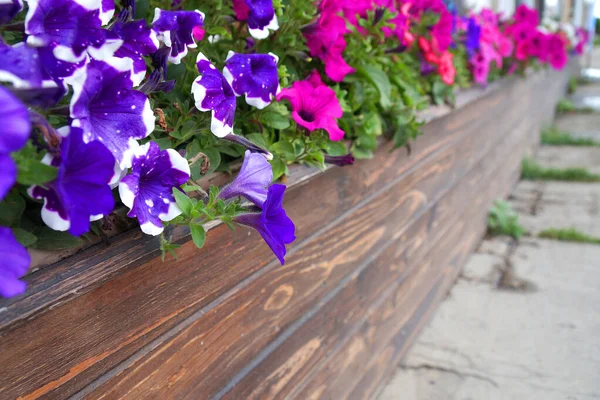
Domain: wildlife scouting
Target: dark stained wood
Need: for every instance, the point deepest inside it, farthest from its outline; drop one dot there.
(281, 295)
(330, 381)
(117, 322)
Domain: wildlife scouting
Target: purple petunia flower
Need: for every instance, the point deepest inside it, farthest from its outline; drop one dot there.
(14, 264)
(176, 30)
(14, 133)
(8, 174)
(273, 224)
(20, 65)
(81, 190)
(213, 93)
(473, 36)
(148, 189)
(253, 75)
(9, 9)
(242, 141)
(138, 41)
(107, 109)
(260, 15)
(71, 28)
(35, 73)
(16, 126)
(252, 181)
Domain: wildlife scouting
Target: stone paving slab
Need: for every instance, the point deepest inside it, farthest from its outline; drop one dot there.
(587, 95)
(545, 205)
(487, 343)
(580, 125)
(569, 156)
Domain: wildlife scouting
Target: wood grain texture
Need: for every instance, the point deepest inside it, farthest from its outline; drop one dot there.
(228, 321)
(280, 296)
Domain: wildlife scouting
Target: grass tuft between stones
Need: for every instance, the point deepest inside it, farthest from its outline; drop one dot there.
(568, 235)
(554, 137)
(532, 171)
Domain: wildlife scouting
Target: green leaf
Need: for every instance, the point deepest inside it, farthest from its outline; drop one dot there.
(213, 192)
(183, 202)
(276, 120)
(335, 148)
(27, 239)
(198, 235)
(49, 239)
(360, 153)
(279, 168)
(285, 150)
(380, 80)
(33, 172)
(11, 209)
(258, 139)
(372, 124)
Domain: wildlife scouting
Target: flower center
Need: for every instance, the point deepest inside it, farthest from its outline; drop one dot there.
(307, 115)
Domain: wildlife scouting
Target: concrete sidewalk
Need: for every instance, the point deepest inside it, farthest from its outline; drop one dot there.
(523, 320)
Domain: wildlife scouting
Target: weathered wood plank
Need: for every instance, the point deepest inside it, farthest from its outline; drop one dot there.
(91, 320)
(330, 381)
(213, 353)
(273, 379)
(83, 272)
(165, 295)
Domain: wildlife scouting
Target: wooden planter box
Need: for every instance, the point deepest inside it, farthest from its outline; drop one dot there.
(379, 244)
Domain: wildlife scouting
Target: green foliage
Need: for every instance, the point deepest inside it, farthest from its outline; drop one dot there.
(532, 171)
(572, 85)
(554, 137)
(503, 220)
(199, 209)
(568, 235)
(566, 106)
(31, 171)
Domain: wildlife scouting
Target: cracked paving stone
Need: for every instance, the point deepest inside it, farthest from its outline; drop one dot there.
(540, 345)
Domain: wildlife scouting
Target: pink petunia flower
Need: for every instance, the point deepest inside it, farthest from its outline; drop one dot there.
(325, 40)
(314, 105)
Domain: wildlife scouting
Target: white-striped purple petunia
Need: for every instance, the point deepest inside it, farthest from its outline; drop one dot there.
(254, 76)
(9, 9)
(138, 41)
(259, 14)
(107, 109)
(81, 191)
(176, 30)
(35, 73)
(213, 93)
(148, 189)
(72, 28)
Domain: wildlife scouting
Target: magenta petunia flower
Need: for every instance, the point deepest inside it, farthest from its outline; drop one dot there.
(314, 105)
(441, 32)
(325, 40)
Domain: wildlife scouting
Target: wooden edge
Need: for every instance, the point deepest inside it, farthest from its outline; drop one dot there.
(148, 246)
